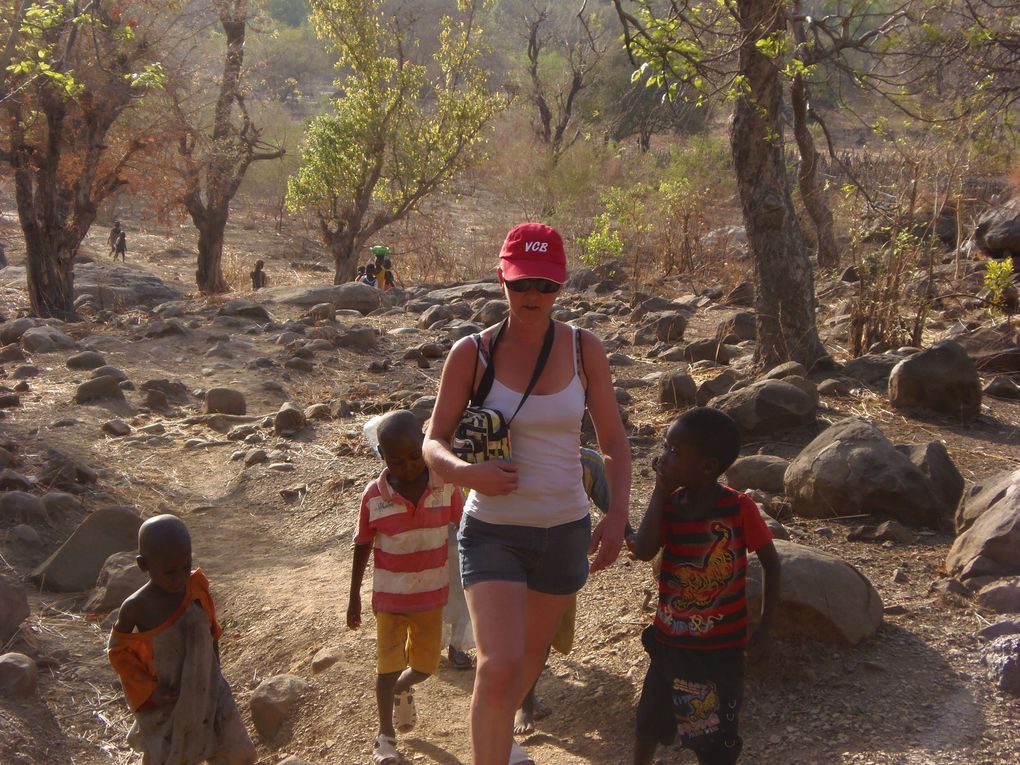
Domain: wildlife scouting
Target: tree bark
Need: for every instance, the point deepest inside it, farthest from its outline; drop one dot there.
(209, 274)
(807, 178)
(783, 278)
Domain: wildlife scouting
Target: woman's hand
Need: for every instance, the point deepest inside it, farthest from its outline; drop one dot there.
(492, 478)
(606, 542)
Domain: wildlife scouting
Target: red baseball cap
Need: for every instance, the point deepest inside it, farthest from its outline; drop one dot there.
(533, 251)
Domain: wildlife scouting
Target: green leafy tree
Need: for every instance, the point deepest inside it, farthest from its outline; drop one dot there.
(69, 71)
(399, 131)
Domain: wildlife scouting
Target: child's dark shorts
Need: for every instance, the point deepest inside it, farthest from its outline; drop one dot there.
(695, 694)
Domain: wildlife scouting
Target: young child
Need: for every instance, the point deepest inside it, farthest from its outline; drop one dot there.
(165, 648)
(112, 238)
(403, 524)
(360, 275)
(369, 277)
(259, 278)
(385, 278)
(695, 680)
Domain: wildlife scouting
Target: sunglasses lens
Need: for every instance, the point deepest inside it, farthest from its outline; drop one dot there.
(544, 286)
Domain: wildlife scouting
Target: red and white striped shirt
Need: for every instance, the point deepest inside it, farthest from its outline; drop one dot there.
(410, 543)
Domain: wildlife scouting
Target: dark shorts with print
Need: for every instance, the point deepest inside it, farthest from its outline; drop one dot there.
(695, 694)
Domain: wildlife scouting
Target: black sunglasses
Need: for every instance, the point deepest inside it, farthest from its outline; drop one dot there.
(544, 286)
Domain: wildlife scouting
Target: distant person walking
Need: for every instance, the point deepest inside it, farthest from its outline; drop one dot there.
(115, 233)
(120, 247)
(3, 256)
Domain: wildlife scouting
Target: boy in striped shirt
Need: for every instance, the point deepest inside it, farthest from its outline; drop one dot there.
(403, 521)
(698, 642)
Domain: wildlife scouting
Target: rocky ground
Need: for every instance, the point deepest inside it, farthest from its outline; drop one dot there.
(271, 501)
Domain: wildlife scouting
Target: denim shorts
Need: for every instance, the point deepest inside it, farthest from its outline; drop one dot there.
(553, 561)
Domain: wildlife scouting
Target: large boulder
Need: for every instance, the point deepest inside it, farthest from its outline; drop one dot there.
(121, 285)
(275, 701)
(872, 369)
(246, 309)
(225, 401)
(717, 386)
(1002, 657)
(13, 609)
(492, 312)
(76, 564)
(934, 461)
(821, 597)
(22, 507)
(758, 471)
(768, 407)
(982, 496)
(11, 331)
(352, 295)
(852, 469)
(941, 379)
(98, 389)
(469, 291)
(994, 349)
(85, 360)
(677, 390)
(119, 577)
(990, 545)
(45, 339)
(998, 229)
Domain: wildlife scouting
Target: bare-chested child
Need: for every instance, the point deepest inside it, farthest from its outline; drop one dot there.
(165, 648)
(404, 517)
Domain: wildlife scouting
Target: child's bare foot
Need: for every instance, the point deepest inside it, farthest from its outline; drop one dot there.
(532, 709)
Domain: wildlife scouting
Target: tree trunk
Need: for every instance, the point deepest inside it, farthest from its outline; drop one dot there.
(209, 275)
(784, 282)
(807, 178)
(345, 256)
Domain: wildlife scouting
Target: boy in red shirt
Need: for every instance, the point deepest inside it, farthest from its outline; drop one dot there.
(697, 644)
(403, 521)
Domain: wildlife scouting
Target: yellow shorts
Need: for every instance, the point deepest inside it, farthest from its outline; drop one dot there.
(409, 640)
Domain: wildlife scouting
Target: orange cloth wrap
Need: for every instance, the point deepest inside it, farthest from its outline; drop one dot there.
(130, 653)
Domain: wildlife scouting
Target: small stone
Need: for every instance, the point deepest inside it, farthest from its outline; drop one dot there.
(256, 457)
(895, 609)
(289, 420)
(26, 534)
(225, 401)
(116, 428)
(24, 372)
(98, 389)
(85, 360)
(9, 400)
(292, 493)
(282, 467)
(18, 675)
(899, 576)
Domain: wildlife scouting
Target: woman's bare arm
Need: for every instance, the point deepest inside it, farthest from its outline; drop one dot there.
(607, 538)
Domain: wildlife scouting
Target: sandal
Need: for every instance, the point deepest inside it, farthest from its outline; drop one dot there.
(384, 751)
(459, 659)
(518, 756)
(405, 715)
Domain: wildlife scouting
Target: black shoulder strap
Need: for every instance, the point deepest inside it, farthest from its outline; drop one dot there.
(490, 370)
(543, 357)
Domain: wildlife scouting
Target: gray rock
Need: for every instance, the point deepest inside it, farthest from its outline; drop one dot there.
(670, 327)
(225, 401)
(821, 597)
(941, 379)
(1004, 627)
(121, 284)
(26, 534)
(742, 294)
(75, 566)
(361, 337)
(851, 468)
(982, 496)
(18, 675)
(60, 504)
(118, 578)
(677, 390)
(1002, 657)
(934, 461)
(98, 389)
(289, 420)
(256, 457)
(22, 507)
(758, 471)
(25, 372)
(12, 479)
(62, 471)
(710, 350)
(45, 339)
(324, 659)
(998, 229)
(167, 328)
(1002, 386)
(299, 364)
(13, 608)
(743, 325)
(107, 371)
(717, 386)
(351, 296)
(174, 390)
(85, 360)
(873, 369)
(493, 312)
(768, 407)
(435, 314)
(116, 428)
(275, 701)
(789, 369)
(835, 386)
(10, 353)
(1002, 596)
(11, 331)
(990, 545)
(469, 291)
(245, 309)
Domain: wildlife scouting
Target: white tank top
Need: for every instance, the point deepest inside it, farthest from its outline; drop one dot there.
(545, 443)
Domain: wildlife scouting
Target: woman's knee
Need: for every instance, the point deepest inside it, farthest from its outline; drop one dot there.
(498, 673)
